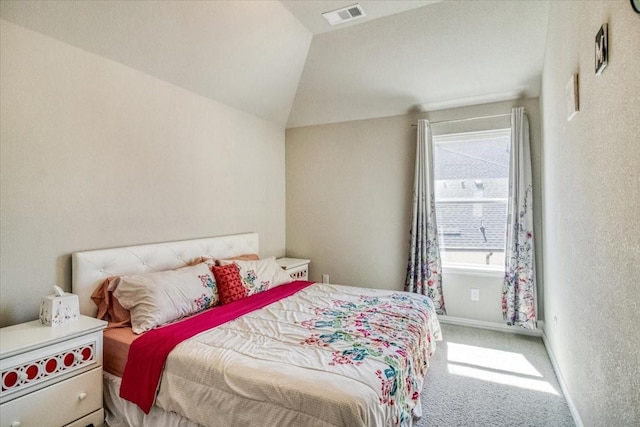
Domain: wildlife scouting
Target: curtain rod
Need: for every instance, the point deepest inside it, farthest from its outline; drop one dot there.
(471, 118)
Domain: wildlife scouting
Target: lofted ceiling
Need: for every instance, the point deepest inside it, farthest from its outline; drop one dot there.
(309, 13)
(443, 55)
(246, 54)
(281, 61)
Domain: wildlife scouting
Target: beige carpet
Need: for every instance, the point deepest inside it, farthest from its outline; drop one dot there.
(486, 378)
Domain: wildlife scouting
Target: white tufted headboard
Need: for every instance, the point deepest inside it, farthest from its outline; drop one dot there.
(91, 268)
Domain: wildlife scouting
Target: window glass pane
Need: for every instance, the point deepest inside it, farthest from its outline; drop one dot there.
(472, 177)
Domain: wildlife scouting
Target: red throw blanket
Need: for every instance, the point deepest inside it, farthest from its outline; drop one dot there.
(148, 353)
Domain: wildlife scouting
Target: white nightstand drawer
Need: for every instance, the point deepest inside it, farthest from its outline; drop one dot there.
(297, 268)
(27, 372)
(299, 273)
(96, 419)
(58, 404)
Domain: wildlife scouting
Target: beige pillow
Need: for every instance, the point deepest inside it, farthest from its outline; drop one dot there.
(244, 257)
(260, 275)
(110, 309)
(155, 299)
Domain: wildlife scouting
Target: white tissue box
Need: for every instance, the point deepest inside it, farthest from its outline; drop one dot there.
(57, 310)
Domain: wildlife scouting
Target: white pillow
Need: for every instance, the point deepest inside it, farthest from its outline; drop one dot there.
(260, 275)
(162, 297)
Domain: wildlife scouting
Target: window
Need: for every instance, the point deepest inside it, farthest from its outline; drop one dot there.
(471, 188)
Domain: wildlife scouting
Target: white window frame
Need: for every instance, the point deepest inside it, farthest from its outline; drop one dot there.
(462, 268)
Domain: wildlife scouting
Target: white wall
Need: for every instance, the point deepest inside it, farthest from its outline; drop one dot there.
(591, 211)
(95, 154)
(457, 287)
(348, 200)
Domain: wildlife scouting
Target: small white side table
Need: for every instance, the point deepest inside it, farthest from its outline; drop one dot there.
(52, 375)
(297, 268)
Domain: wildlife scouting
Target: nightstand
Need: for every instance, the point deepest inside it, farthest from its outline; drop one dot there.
(297, 268)
(52, 375)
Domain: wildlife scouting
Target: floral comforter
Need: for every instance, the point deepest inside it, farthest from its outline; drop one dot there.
(328, 355)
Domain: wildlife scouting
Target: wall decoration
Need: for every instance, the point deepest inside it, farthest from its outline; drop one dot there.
(635, 4)
(571, 92)
(602, 49)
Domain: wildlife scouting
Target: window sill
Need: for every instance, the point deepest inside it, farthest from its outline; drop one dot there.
(473, 270)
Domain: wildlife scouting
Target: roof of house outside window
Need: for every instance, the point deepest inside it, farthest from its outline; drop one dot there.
(485, 158)
(459, 225)
(466, 171)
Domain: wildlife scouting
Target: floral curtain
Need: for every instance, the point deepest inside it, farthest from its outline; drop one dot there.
(519, 289)
(424, 267)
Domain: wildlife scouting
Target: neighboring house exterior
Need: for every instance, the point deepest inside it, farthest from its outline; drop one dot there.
(472, 178)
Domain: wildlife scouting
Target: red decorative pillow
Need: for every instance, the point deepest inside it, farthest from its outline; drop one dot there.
(230, 287)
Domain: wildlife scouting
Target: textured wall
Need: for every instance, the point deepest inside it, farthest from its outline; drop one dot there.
(348, 195)
(95, 154)
(457, 292)
(591, 210)
(349, 192)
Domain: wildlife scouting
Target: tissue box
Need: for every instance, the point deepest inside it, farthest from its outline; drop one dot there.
(57, 310)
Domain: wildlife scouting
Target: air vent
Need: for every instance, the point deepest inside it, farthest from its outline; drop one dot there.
(343, 15)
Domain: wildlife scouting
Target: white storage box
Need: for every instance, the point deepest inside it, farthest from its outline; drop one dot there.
(59, 309)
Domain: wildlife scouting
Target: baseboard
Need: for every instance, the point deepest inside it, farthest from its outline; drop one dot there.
(563, 385)
(493, 326)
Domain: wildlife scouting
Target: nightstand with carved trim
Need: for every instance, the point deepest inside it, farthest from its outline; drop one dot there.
(297, 268)
(52, 375)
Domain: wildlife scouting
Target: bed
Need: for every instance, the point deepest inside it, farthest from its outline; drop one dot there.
(299, 353)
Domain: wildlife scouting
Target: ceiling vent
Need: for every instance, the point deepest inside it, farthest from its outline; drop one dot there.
(343, 15)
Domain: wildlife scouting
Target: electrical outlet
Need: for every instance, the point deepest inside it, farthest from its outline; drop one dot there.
(475, 294)
(325, 278)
